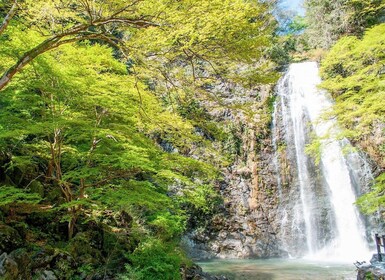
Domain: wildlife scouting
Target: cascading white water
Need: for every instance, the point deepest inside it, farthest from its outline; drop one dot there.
(322, 221)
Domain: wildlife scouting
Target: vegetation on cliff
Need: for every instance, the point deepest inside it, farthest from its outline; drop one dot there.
(329, 20)
(354, 74)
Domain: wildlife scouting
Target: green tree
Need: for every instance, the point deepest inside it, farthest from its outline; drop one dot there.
(214, 30)
(353, 72)
(63, 22)
(329, 20)
(83, 124)
(113, 120)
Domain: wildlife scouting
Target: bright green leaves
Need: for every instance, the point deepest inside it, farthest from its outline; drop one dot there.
(12, 195)
(149, 204)
(100, 135)
(352, 74)
(78, 121)
(375, 200)
(215, 32)
(152, 259)
(54, 16)
(215, 29)
(367, 12)
(200, 39)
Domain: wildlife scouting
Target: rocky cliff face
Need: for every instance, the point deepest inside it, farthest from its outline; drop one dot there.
(246, 223)
(256, 188)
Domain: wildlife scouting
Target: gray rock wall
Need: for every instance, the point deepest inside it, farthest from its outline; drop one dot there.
(246, 224)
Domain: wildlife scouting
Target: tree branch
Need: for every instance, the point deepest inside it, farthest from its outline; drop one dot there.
(8, 17)
(78, 33)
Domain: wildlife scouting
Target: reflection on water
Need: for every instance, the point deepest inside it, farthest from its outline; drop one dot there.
(281, 269)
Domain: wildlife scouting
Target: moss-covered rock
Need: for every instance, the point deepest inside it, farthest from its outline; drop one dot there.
(9, 239)
(43, 257)
(23, 260)
(80, 248)
(37, 187)
(45, 275)
(8, 267)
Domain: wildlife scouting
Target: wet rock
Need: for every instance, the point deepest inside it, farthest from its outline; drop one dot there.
(375, 270)
(246, 224)
(195, 273)
(375, 259)
(371, 272)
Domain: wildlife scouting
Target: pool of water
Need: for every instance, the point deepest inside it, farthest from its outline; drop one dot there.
(282, 269)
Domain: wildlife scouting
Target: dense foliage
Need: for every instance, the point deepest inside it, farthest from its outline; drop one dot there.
(106, 148)
(353, 73)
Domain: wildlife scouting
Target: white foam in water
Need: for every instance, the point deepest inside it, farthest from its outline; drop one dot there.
(305, 99)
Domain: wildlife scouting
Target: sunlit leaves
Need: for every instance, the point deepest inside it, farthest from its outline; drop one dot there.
(12, 195)
(352, 74)
(375, 200)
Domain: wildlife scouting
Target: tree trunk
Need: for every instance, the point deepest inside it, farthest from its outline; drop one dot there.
(71, 223)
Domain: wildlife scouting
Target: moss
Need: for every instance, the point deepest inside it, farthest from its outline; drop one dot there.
(37, 187)
(9, 239)
(81, 249)
(368, 276)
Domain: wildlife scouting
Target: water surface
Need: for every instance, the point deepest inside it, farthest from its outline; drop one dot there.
(282, 269)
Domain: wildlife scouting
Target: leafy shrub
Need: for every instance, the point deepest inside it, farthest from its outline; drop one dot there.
(153, 260)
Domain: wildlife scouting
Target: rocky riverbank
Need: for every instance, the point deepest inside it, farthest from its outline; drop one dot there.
(195, 272)
(373, 271)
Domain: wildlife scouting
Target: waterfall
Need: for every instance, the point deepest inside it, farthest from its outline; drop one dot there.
(318, 215)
